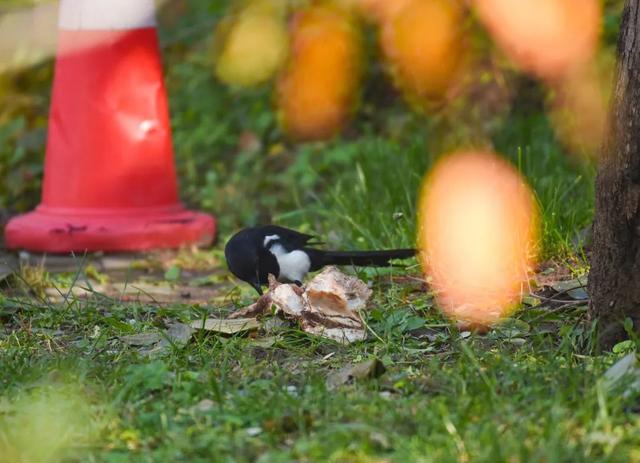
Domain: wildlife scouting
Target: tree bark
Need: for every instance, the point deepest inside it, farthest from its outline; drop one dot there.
(614, 281)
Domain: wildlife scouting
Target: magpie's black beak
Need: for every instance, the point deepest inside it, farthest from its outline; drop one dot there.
(257, 287)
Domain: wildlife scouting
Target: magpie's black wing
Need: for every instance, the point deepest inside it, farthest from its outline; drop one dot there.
(292, 237)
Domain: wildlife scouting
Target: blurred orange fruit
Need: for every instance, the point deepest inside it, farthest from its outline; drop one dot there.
(547, 38)
(578, 106)
(317, 91)
(422, 42)
(379, 10)
(478, 224)
(252, 44)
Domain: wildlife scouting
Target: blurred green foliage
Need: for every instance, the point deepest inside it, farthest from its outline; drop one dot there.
(234, 162)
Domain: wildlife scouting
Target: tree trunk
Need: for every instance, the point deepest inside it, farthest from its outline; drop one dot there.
(614, 282)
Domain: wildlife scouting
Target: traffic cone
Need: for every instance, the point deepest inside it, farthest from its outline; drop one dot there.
(109, 178)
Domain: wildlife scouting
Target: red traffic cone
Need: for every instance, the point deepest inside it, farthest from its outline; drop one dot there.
(109, 179)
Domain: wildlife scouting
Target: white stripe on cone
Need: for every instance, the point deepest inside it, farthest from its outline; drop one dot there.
(106, 14)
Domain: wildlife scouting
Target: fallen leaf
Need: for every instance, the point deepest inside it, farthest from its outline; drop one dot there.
(5, 271)
(531, 301)
(253, 431)
(625, 371)
(381, 440)
(111, 263)
(512, 328)
(466, 328)
(225, 325)
(8, 265)
(272, 325)
(259, 307)
(341, 335)
(141, 339)
(567, 285)
(364, 370)
(179, 334)
(622, 367)
(204, 405)
(579, 294)
(427, 334)
(264, 342)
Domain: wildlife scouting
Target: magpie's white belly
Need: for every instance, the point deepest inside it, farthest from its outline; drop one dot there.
(293, 265)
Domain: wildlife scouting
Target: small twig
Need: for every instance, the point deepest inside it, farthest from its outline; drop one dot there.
(368, 327)
(412, 278)
(565, 291)
(556, 310)
(561, 301)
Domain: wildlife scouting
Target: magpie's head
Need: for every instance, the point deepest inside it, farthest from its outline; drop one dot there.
(242, 257)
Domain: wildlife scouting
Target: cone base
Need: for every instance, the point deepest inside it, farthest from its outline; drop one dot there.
(78, 231)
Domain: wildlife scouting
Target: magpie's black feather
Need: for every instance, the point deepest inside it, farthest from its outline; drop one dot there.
(254, 253)
(287, 235)
(357, 258)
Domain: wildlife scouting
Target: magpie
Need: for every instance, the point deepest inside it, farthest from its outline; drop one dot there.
(254, 253)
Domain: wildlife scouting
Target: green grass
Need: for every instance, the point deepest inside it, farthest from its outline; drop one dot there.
(372, 201)
(353, 186)
(530, 390)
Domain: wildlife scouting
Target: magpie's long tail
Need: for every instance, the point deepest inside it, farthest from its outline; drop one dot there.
(321, 258)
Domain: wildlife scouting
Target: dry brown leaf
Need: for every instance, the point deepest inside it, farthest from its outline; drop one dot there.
(141, 339)
(176, 335)
(226, 326)
(251, 311)
(369, 369)
(179, 333)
